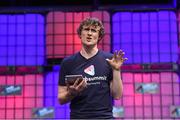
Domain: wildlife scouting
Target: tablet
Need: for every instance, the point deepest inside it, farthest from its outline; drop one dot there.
(70, 79)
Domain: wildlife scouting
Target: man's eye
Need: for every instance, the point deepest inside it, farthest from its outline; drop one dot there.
(86, 29)
(93, 30)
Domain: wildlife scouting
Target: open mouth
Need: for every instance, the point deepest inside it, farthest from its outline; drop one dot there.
(88, 39)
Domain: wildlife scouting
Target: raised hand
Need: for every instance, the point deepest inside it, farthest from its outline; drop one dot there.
(117, 60)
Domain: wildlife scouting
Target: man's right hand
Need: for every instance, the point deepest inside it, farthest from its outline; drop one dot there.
(77, 87)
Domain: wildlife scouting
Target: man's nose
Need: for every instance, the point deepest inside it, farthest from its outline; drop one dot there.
(90, 31)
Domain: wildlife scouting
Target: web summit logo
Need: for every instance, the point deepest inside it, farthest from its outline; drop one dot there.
(43, 112)
(175, 111)
(10, 90)
(146, 88)
(90, 70)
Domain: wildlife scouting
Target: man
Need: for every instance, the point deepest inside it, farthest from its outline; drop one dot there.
(91, 97)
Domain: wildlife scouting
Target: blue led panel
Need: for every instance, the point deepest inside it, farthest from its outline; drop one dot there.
(51, 92)
(146, 37)
(22, 39)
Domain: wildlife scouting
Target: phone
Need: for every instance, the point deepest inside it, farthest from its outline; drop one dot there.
(70, 79)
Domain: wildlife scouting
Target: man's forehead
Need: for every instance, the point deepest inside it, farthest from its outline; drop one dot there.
(91, 26)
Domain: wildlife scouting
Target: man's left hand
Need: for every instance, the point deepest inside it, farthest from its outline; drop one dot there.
(117, 60)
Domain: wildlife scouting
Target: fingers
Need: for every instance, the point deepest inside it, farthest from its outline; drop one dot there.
(109, 61)
(120, 55)
(124, 59)
(120, 52)
(76, 82)
(82, 85)
(115, 55)
(78, 86)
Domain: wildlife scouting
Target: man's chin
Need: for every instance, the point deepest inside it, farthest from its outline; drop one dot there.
(90, 45)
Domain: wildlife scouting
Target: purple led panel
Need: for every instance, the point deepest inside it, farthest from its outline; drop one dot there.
(149, 106)
(51, 92)
(22, 39)
(178, 14)
(62, 39)
(146, 37)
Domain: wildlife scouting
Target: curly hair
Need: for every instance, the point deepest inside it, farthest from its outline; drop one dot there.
(94, 22)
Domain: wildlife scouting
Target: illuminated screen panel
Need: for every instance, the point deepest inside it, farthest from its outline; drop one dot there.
(134, 103)
(149, 37)
(22, 39)
(42, 3)
(20, 106)
(62, 39)
(51, 92)
(149, 106)
(134, 2)
(178, 14)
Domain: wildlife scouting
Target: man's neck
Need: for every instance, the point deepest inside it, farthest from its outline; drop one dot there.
(88, 53)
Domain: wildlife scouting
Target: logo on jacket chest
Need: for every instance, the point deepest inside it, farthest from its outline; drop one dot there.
(90, 70)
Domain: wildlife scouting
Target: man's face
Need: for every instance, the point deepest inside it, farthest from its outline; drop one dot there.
(90, 35)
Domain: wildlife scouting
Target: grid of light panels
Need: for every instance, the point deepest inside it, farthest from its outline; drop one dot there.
(22, 40)
(22, 44)
(178, 19)
(25, 33)
(61, 32)
(20, 106)
(149, 106)
(146, 37)
(51, 91)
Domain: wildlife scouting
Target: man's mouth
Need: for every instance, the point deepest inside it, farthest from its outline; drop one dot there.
(88, 39)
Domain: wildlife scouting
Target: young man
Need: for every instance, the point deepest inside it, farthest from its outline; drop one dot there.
(91, 97)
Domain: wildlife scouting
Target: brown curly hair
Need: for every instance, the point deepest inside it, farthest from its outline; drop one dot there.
(94, 22)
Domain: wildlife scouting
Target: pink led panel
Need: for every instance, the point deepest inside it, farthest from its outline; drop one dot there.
(20, 106)
(61, 36)
(149, 106)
